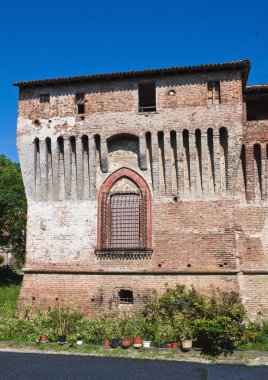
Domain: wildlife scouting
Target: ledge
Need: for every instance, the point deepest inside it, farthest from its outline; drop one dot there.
(137, 272)
(139, 253)
(255, 271)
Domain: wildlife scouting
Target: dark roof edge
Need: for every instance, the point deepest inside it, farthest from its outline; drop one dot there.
(257, 88)
(243, 65)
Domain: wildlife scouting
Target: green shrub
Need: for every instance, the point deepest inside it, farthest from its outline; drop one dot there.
(218, 334)
(1, 259)
(175, 304)
(215, 323)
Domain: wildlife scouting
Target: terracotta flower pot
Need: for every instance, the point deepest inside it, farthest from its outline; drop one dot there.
(43, 339)
(125, 342)
(106, 342)
(175, 345)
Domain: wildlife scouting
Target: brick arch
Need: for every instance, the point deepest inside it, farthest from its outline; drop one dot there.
(120, 132)
(145, 192)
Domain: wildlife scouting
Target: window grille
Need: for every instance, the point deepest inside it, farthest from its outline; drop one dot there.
(123, 221)
(125, 296)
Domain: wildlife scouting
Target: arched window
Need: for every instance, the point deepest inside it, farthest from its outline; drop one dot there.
(124, 216)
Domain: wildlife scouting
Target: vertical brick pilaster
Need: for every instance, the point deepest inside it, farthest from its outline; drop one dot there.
(55, 169)
(204, 165)
(155, 163)
(92, 168)
(43, 170)
(104, 155)
(79, 168)
(67, 169)
(180, 163)
(216, 159)
(263, 172)
(192, 174)
(142, 153)
(250, 193)
(168, 173)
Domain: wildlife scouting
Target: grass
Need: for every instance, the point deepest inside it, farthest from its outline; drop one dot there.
(254, 346)
(10, 284)
(9, 296)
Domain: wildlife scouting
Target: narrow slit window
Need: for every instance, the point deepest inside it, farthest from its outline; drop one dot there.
(80, 103)
(125, 296)
(80, 108)
(214, 92)
(147, 98)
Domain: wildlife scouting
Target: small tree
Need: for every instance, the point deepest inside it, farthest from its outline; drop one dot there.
(12, 209)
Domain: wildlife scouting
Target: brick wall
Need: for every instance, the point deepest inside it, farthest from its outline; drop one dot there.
(98, 293)
(209, 200)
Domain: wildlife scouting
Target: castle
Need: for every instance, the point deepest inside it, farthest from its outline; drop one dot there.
(144, 179)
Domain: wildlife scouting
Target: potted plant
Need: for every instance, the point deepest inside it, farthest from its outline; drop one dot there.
(148, 333)
(115, 334)
(43, 339)
(163, 334)
(106, 342)
(98, 331)
(137, 342)
(115, 342)
(136, 332)
(126, 332)
(62, 325)
(187, 336)
(79, 341)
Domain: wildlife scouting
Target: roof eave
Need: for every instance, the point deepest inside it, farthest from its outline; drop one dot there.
(243, 65)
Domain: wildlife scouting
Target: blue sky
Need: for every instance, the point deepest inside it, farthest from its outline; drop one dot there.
(65, 38)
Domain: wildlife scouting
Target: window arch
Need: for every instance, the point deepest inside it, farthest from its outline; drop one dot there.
(124, 215)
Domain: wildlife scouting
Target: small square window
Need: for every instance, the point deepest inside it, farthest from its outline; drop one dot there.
(147, 98)
(125, 296)
(44, 98)
(214, 92)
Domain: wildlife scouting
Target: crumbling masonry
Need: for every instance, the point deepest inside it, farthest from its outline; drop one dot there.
(143, 179)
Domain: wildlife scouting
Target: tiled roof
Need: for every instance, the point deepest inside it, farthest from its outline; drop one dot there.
(242, 65)
(257, 88)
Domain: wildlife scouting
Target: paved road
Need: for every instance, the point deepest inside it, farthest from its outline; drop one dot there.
(23, 366)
